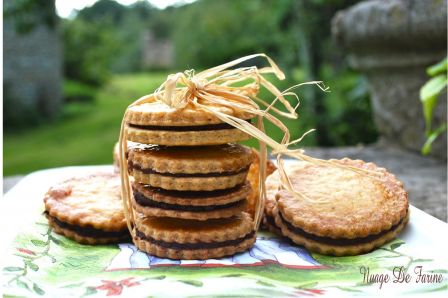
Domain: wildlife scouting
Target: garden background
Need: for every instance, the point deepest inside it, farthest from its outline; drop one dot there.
(110, 54)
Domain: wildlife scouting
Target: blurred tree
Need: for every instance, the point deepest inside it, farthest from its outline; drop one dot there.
(313, 27)
(88, 50)
(27, 14)
(104, 39)
(162, 22)
(211, 32)
(293, 32)
(103, 10)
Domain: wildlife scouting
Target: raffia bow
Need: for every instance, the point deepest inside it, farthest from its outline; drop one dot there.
(236, 89)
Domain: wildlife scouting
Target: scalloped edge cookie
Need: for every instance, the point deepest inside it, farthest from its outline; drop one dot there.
(234, 210)
(200, 240)
(84, 239)
(160, 114)
(190, 231)
(196, 254)
(191, 160)
(92, 200)
(199, 198)
(381, 202)
(189, 183)
(185, 138)
(340, 250)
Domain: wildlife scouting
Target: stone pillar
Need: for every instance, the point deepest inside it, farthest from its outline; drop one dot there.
(392, 43)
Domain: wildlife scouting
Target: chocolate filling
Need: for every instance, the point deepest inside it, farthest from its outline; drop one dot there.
(193, 194)
(193, 246)
(88, 231)
(271, 220)
(332, 241)
(180, 175)
(218, 126)
(147, 202)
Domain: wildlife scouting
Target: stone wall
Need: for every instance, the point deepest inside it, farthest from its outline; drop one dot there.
(32, 69)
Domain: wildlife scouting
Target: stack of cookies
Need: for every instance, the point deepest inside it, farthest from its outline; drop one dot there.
(189, 186)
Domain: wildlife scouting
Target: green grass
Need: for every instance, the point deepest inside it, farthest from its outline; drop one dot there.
(76, 91)
(84, 135)
(86, 131)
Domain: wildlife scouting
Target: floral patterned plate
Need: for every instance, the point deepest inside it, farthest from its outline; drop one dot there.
(38, 262)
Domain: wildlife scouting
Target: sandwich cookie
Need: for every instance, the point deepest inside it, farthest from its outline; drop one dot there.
(190, 239)
(273, 185)
(116, 154)
(88, 209)
(253, 176)
(200, 205)
(157, 123)
(204, 168)
(340, 212)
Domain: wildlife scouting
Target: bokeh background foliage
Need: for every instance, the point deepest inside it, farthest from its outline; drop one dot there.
(103, 71)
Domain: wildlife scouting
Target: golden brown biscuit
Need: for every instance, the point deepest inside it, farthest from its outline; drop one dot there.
(341, 209)
(194, 198)
(116, 158)
(186, 138)
(190, 212)
(272, 187)
(86, 235)
(88, 209)
(339, 247)
(191, 239)
(116, 154)
(254, 179)
(160, 114)
(203, 168)
(200, 205)
(157, 123)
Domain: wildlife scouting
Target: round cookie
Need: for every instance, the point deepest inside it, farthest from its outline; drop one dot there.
(116, 157)
(88, 209)
(272, 187)
(116, 154)
(253, 176)
(340, 246)
(157, 123)
(200, 205)
(204, 168)
(190, 239)
(341, 212)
